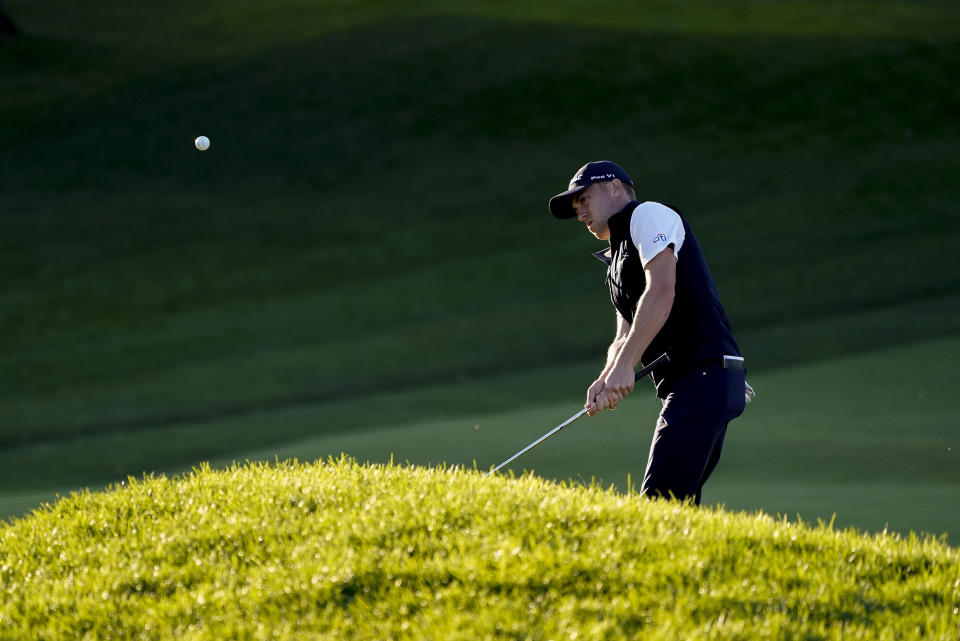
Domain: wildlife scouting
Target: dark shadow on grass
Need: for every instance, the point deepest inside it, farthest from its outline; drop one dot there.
(420, 105)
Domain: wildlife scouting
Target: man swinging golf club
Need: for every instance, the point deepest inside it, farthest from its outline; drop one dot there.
(666, 302)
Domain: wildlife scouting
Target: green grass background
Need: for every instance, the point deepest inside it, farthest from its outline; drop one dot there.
(363, 260)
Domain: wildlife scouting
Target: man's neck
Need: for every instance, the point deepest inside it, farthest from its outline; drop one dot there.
(619, 219)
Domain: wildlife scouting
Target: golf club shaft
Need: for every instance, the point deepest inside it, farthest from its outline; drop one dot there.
(539, 440)
(643, 372)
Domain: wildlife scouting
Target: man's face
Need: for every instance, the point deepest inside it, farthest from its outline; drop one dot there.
(594, 206)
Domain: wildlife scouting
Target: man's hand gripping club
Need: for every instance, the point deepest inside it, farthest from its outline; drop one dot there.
(634, 377)
(607, 391)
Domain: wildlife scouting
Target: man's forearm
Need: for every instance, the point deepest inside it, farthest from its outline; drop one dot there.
(612, 353)
(651, 314)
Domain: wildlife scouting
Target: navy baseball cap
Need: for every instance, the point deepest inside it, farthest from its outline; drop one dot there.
(561, 205)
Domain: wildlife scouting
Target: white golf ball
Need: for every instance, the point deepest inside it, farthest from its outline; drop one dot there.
(202, 143)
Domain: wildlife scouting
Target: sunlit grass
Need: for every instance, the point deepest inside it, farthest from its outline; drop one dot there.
(349, 551)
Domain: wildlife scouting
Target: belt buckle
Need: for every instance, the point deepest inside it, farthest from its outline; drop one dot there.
(732, 362)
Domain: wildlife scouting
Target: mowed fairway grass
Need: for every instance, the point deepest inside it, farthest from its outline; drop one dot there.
(363, 260)
(881, 453)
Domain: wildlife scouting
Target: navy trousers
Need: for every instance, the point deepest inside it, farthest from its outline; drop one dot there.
(690, 431)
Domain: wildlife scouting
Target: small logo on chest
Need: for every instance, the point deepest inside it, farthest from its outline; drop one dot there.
(660, 238)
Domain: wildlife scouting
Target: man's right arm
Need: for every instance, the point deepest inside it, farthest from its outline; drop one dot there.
(623, 330)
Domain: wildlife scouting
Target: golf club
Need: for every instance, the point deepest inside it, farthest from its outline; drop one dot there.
(663, 358)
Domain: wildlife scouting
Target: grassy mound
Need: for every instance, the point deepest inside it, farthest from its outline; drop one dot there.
(346, 551)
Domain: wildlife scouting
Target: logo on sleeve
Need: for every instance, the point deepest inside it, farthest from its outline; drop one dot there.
(660, 238)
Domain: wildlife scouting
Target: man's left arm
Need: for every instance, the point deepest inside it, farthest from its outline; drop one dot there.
(651, 314)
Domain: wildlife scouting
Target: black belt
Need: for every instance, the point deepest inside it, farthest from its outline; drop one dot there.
(728, 361)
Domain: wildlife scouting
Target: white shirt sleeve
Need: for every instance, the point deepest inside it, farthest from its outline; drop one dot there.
(653, 228)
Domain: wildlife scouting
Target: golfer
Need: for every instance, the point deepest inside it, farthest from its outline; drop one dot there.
(666, 301)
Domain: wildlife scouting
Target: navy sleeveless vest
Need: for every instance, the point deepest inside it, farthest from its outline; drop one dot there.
(697, 329)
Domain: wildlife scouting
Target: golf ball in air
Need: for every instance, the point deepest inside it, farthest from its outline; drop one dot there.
(202, 143)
